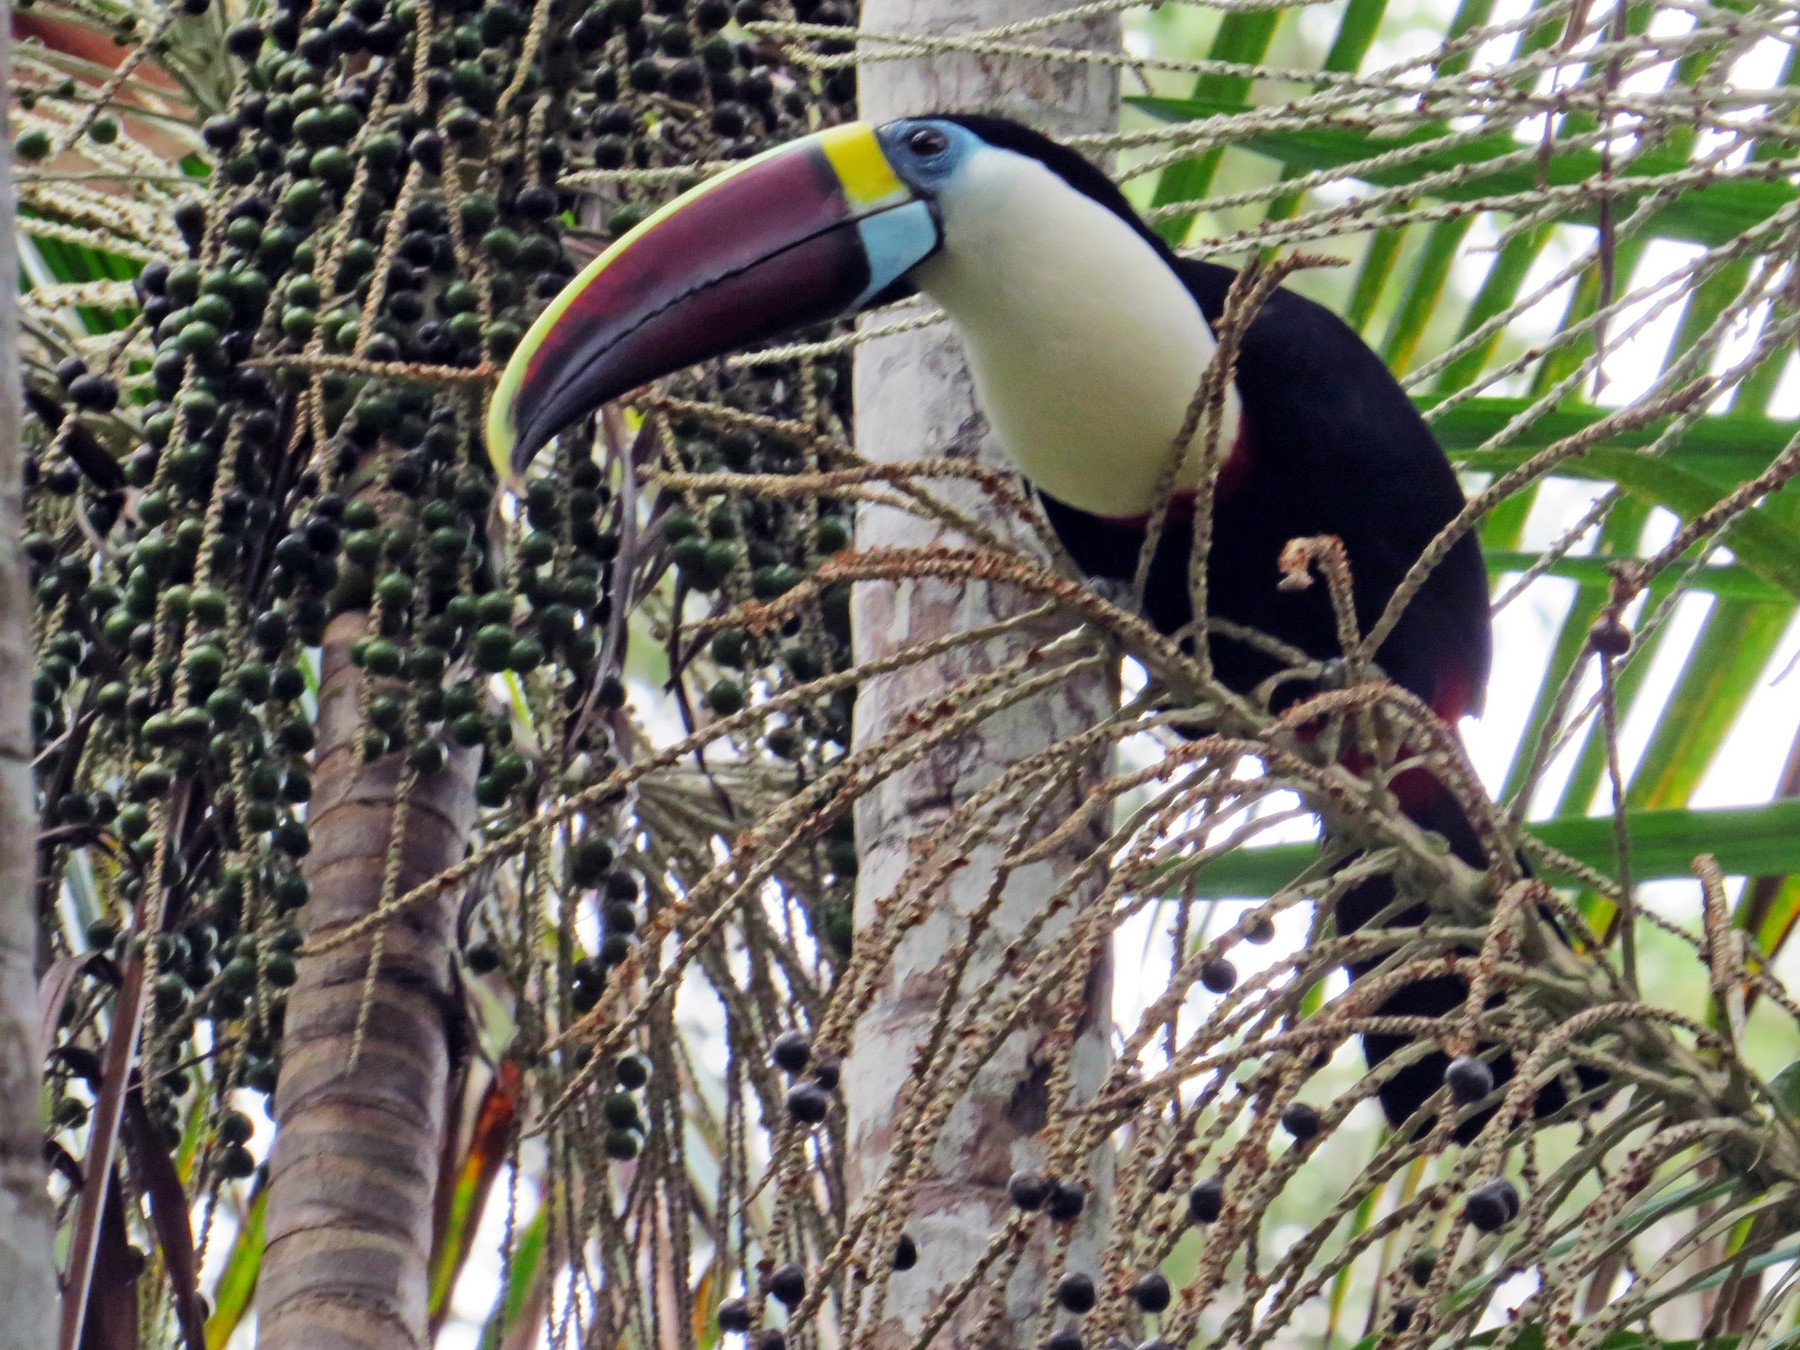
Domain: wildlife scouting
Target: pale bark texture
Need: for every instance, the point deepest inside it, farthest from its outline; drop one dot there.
(27, 1272)
(356, 1153)
(914, 398)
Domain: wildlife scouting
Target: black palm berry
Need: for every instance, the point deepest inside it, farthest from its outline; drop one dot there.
(808, 1103)
(610, 152)
(221, 132)
(615, 119)
(1301, 1121)
(729, 119)
(1206, 1201)
(788, 1285)
(791, 1051)
(1066, 1202)
(427, 149)
(588, 35)
(1066, 1339)
(1075, 1292)
(1404, 1311)
(1492, 1205)
(1469, 1079)
(1218, 975)
(1151, 1293)
(734, 1315)
(244, 41)
(536, 202)
(757, 87)
(94, 393)
(1609, 637)
(906, 1253)
(1028, 1191)
(684, 80)
(826, 1073)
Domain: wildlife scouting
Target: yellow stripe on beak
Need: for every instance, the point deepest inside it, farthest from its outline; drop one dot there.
(861, 165)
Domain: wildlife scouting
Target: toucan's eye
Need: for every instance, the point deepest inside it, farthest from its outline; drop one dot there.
(927, 141)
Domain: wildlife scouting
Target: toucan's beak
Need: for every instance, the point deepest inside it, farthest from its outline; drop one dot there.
(804, 233)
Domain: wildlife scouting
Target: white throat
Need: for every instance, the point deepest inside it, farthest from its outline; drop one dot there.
(1085, 348)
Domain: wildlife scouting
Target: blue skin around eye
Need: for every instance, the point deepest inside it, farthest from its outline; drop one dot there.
(928, 174)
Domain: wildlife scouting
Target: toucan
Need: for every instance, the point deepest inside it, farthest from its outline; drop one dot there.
(1087, 337)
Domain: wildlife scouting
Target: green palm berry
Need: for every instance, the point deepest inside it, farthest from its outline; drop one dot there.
(492, 647)
(382, 656)
(725, 697)
(510, 769)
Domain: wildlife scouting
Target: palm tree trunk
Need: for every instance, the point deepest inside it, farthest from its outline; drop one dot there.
(360, 1129)
(913, 398)
(27, 1289)
(28, 1286)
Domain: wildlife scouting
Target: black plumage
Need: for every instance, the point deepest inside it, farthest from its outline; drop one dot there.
(1329, 444)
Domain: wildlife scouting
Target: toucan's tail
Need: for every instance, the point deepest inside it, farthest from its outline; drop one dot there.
(1431, 806)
